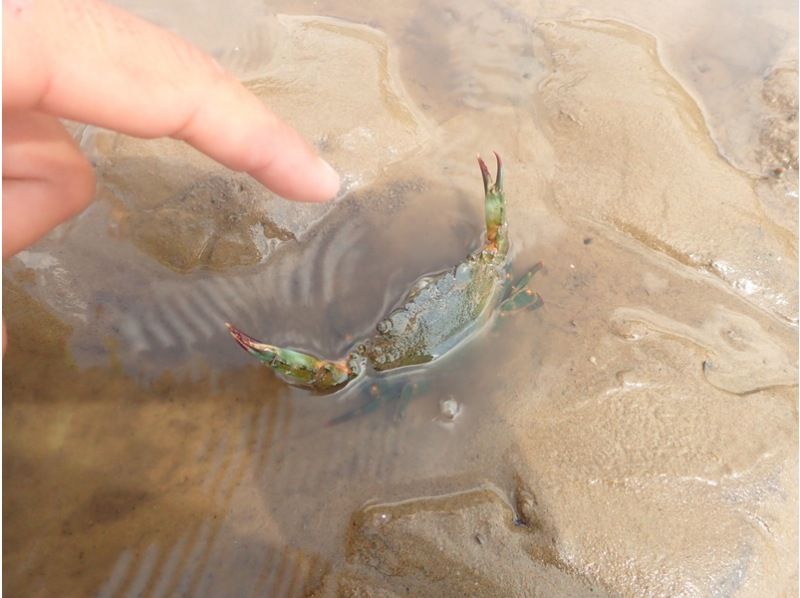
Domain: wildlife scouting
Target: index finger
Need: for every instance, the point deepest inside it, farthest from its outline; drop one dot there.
(92, 62)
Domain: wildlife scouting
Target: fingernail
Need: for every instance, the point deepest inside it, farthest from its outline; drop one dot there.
(330, 180)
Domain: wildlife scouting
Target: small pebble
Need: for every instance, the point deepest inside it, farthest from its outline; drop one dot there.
(449, 409)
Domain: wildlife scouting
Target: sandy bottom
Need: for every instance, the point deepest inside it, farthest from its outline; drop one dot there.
(635, 436)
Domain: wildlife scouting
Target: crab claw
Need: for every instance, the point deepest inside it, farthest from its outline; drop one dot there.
(488, 184)
(494, 206)
(295, 367)
(498, 179)
(487, 176)
(261, 350)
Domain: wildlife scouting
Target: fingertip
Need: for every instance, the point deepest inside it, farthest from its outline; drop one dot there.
(329, 181)
(308, 178)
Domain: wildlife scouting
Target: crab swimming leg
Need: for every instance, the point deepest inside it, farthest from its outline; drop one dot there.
(520, 296)
(380, 392)
(368, 405)
(295, 367)
(495, 208)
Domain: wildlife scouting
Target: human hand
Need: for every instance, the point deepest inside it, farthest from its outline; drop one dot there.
(94, 63)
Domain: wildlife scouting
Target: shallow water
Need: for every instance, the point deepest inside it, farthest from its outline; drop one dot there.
(637, 435)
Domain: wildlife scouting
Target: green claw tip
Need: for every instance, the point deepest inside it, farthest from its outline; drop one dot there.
(251, 345)
(488, 185)
(498, 181)
(296, 367)
(487, 177)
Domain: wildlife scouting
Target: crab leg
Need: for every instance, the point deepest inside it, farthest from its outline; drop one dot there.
(520, 296)
(297, 368)
(495, 207)
(525, 298)
(379, 392)
(525, 278)
(369, 405)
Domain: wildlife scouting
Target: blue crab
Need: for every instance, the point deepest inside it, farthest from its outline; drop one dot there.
(439, 312)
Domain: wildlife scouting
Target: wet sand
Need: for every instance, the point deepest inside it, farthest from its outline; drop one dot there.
(635, 436)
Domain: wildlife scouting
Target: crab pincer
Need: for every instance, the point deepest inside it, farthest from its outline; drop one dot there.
(295, 367)
(494, 207)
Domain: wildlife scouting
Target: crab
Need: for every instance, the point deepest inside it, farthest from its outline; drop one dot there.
(439, 312)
